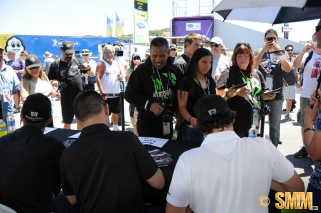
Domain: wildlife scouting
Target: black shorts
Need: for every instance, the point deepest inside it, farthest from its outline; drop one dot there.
(113, 104)
(67, 111)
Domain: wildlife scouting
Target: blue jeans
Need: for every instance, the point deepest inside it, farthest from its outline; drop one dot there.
(316, 196)
(275, 119)
(191, 134)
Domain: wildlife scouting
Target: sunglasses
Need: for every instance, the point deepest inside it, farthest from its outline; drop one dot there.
(136, 58)
(317, 28)
(173, 49)
(289, 50)
(214, 45)
(245, 44)
(34, 68)
(85, 55)
(271, 38)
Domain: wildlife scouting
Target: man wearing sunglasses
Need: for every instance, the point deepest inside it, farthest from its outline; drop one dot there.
(173, 52)
(310, 76)
(9, 85)
(290, 79)
(271, 61)
(220, 61)
(66, 75)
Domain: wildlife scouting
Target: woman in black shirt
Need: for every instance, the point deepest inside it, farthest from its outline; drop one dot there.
(245, 99)
(197, 82)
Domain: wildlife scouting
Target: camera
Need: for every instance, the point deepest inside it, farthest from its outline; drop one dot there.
(167, 119)
(265, 109)
(119, 53)
(62, 86)
(270, 39)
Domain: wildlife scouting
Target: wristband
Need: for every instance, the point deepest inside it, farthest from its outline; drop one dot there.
(189, 120)
(307, 129)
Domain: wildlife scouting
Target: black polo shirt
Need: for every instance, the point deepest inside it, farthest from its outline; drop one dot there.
(27, 161)
(104, 169)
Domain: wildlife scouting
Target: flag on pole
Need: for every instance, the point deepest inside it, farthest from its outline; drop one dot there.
(141, 31)
(110, 26)
(119, 25)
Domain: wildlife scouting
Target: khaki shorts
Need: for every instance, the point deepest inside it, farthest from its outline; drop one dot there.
(304, 102)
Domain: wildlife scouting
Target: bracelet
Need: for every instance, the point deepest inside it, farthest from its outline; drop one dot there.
(189, 120)
(226, 95)
(307, 129)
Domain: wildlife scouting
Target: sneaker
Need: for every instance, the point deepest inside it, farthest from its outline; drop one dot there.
(17, 110)
(126, 123)
(301, 153)
(288, 117)
(280, 142)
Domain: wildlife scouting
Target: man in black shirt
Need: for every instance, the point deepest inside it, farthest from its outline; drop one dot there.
(28, 160)
(103, 170)
(192, 42)
(152, 90)
(66, 75)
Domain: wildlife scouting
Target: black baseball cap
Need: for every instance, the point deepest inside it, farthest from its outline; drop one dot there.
(36, 108)
(32, 61)
(209, 105)
(68, 47)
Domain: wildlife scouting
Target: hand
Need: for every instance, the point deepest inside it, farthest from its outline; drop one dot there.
(314, 100)
(121, 76)
(231, 91)
(310, 114)
(87, 67)
(156, 108)
(20, 105)
(269, 96)
(193, 122)
(284, 84)
(55, 83)
(269, 46)
(104, 98)
(242, 92)
(298, 84)
(179, 117)
(57, 95)
(308, 46)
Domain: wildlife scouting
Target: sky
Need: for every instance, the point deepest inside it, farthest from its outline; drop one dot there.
(88, 17)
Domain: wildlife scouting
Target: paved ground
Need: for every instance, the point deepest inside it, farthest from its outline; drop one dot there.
(290, 136)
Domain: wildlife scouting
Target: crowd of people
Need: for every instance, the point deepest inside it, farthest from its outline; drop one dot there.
(215, 101)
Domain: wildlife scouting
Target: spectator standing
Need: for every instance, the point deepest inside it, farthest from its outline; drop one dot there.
(192, 42)
(108, 77)
(66, 74)
(271, 63)
(9, 87)
(91, 75)
(173, 52)
(290, 81)
(47, 62)
(220, 61)
(152, 89)
(311, 72)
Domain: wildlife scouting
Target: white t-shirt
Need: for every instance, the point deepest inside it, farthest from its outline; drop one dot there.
(227, 174)
(92, 63)
(219, 65)
(109, 80)
(311, 74)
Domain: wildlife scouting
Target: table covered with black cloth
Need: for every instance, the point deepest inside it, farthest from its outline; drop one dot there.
(172, 147)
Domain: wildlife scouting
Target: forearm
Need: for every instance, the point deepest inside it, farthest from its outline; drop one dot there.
(99, 85)
(297, 61)
(16, 99)
(90, 73)
(278, 187)
(287, 66)
(259, 56)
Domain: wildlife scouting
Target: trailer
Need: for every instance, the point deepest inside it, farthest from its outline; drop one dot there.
(39, 44)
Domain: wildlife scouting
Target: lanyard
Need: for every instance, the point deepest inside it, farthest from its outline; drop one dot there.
(269, 61)
(169, 78)
(207, 84)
